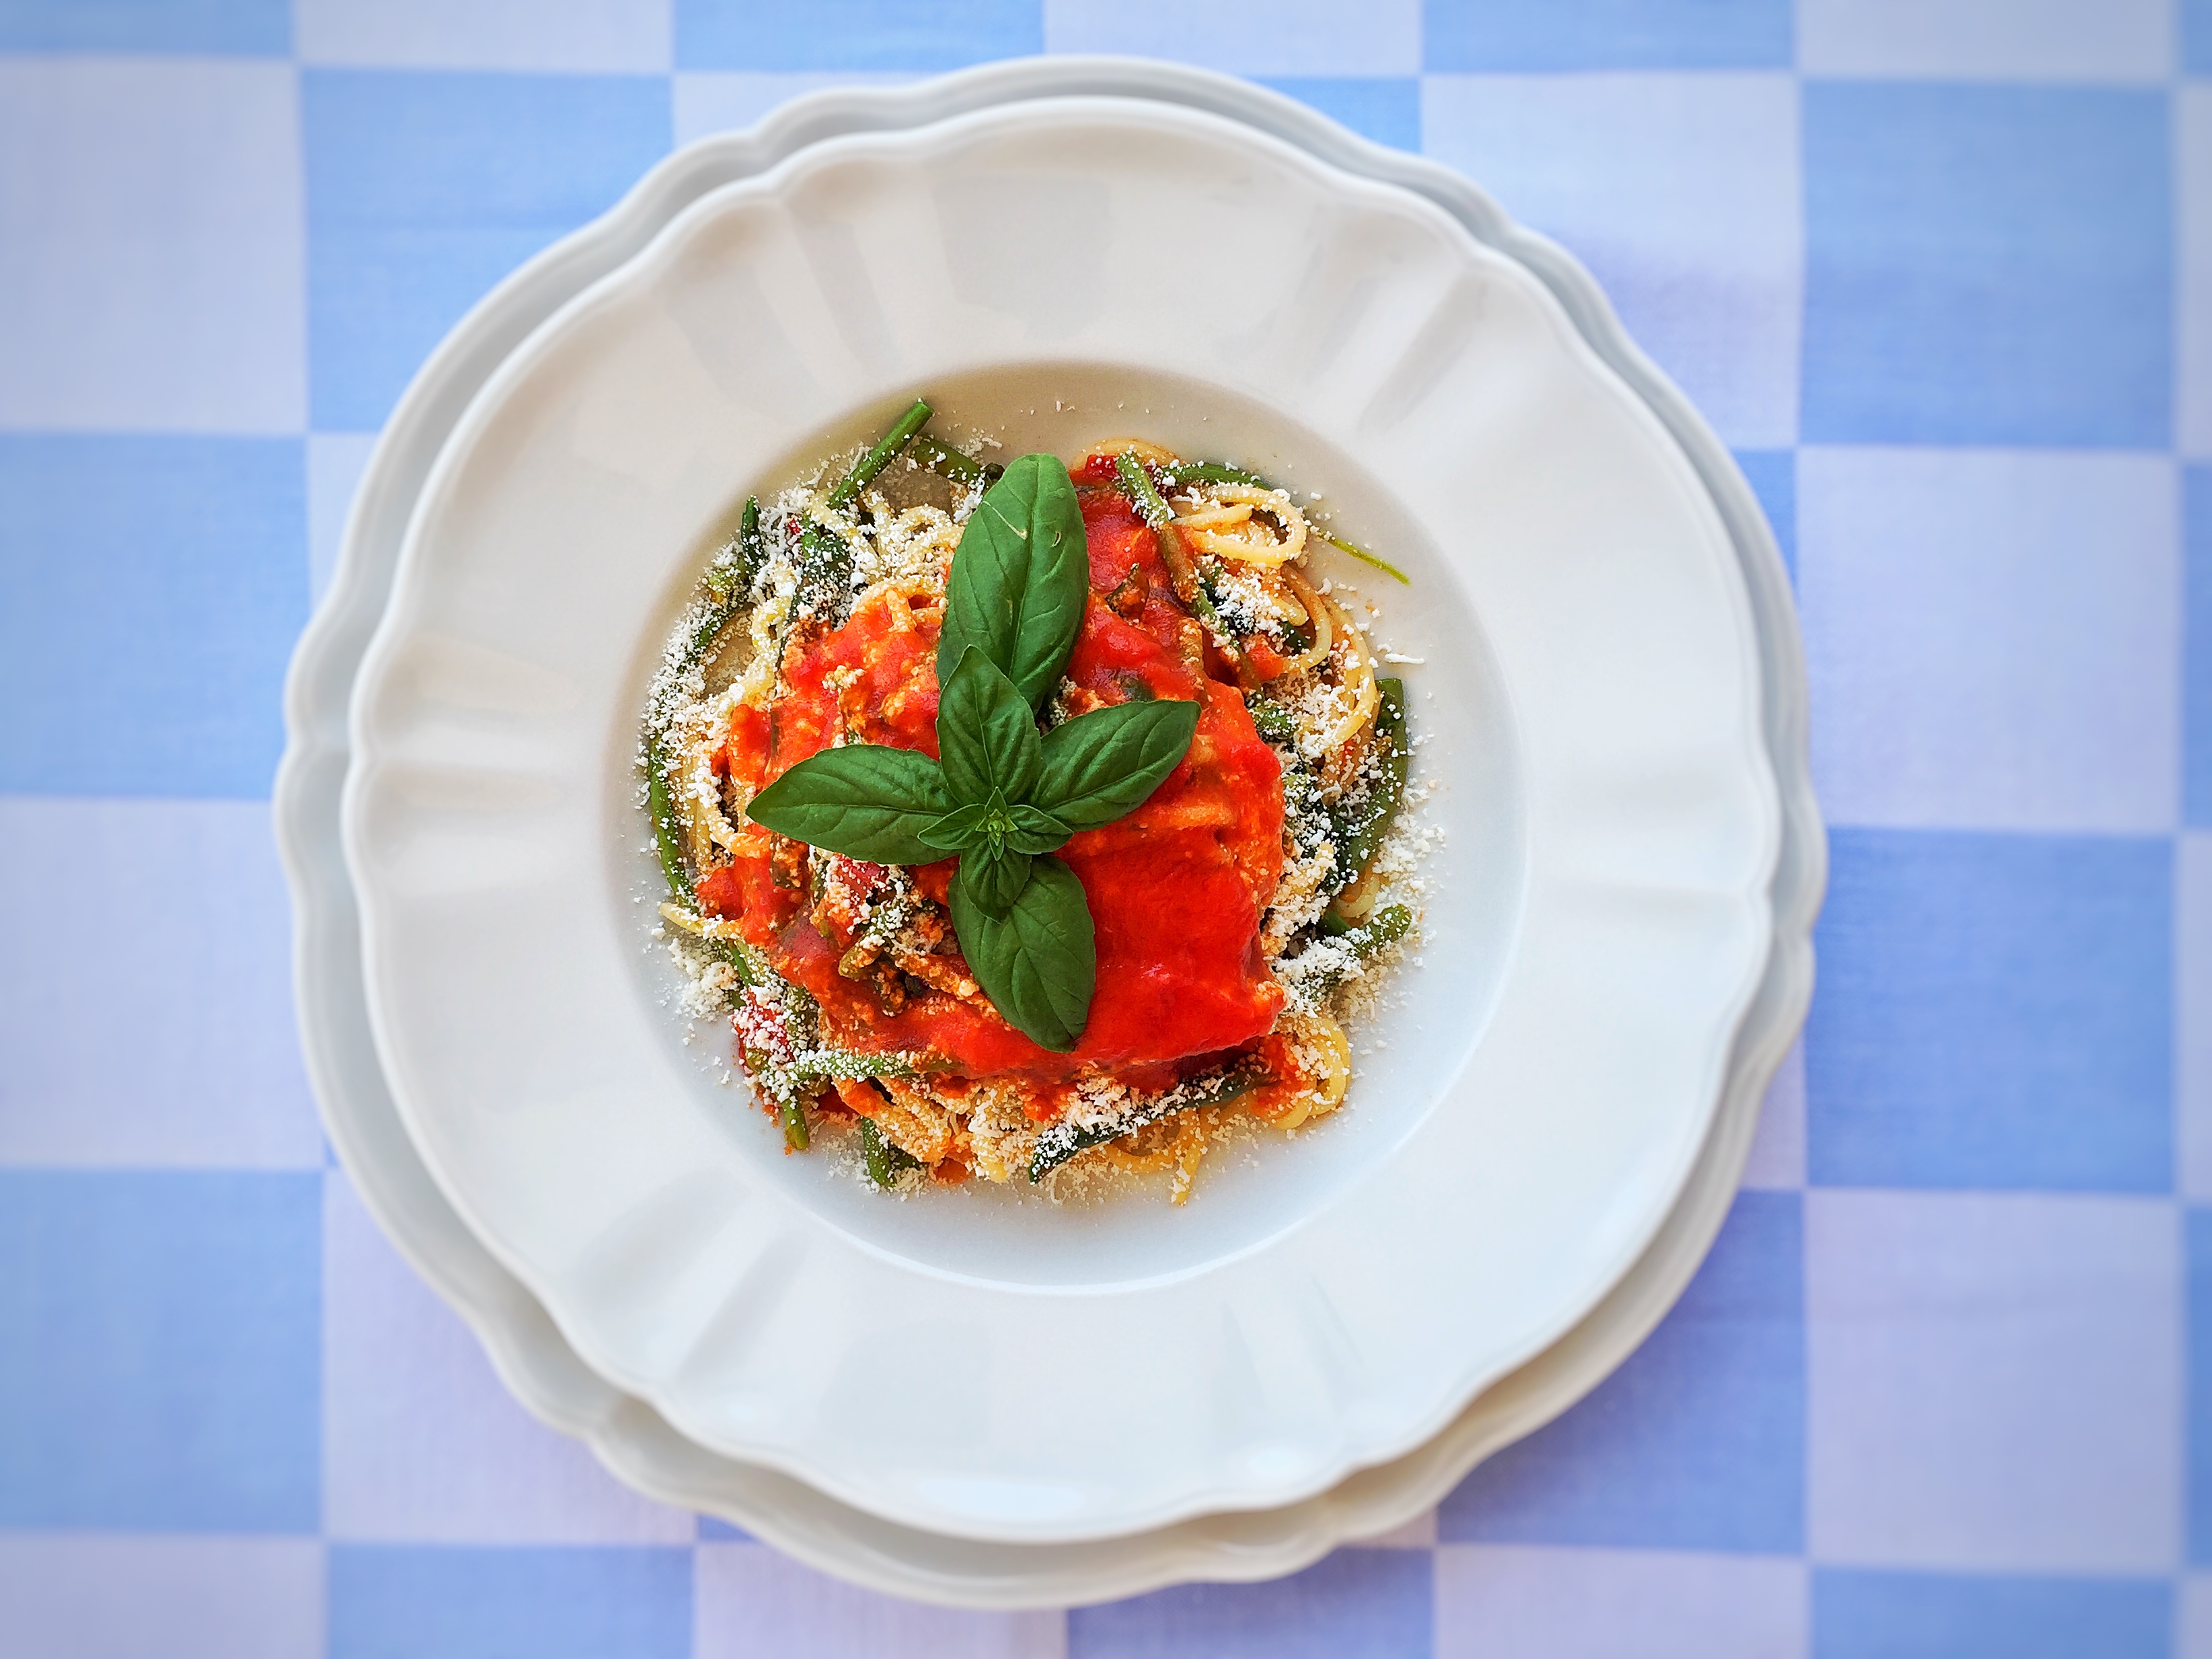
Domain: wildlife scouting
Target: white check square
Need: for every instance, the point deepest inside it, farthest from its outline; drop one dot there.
(2106, 41)
(1992, 638)
(1291, 37)
(421, 1443)
(151, 248)
(146, 947)
(1515, 1601)
(1994, 1381)
(591, 36)
(95, 1596)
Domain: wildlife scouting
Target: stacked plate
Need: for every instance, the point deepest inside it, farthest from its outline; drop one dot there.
(979, 1397)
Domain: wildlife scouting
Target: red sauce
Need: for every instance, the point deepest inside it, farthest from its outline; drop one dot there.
(1175, 889)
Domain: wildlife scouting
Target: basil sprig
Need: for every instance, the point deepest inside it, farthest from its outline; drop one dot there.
(1002, 795)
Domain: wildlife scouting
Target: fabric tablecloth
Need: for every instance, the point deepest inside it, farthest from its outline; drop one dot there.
(1941, 272)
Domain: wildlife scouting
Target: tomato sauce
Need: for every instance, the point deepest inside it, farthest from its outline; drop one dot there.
(1175, 889)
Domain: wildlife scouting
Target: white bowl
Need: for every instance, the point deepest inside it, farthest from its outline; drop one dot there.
(436, 684)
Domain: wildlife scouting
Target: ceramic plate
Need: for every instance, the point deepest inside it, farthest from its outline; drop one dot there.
(531, 1354)
(1593, 711)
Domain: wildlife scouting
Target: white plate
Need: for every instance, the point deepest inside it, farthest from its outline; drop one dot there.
(544, 1372)
(986, 1364)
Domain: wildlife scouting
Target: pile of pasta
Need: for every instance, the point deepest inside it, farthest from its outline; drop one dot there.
(1309, 681)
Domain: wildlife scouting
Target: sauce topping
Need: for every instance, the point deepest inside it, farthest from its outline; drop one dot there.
(1175, 889)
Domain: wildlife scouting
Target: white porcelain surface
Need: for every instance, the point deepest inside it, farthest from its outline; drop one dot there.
(1538, 1099)
(531, 1354)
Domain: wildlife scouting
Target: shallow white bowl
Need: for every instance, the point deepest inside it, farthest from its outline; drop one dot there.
(1598, 727)
(529, 1351)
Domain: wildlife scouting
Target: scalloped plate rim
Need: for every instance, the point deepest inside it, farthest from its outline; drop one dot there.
(1139, 1495)
(848, 111)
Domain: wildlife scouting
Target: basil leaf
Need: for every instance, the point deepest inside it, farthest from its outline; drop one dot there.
(1020, 578)
(1100, 766)
(986, 737)
(865, 801)
(1034, 832)
(993, 880)
(960, 829)
(1038, 963)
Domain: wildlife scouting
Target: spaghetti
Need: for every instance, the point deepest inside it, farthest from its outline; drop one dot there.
(1236, 910)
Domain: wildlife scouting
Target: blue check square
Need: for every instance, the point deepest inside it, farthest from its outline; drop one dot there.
(425, 189)
(913, 35)
(1355, 1604)
(160, 1350)
(1987, 265)
(150, 591)
(1994, 1010)
(1697, 1441)
(469, 1602)
(237, 28)
(1916, 1615)
(1607, 34)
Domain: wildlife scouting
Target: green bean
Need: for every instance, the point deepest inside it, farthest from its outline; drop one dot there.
(1272, 721)
(752, 551)
(1392, 923)
(825, 558)
(827, 1064)
(735, 574)
(1364, 827)
(727, 598)
(916, 417)
(728, 595)
(749, 971)
(1386, 926)
(886, 1162)
(1304, 812)
(666, 836)
(1216, 473)
(1362, 555)
(1137, 485)
(944, 459)
(675, 869)
(1062, 1141)
(795, 1134)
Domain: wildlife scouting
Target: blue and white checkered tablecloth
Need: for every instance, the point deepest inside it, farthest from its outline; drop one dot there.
(1941, 270)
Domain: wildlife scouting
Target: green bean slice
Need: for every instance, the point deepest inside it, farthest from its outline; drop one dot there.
(1364, 828)
(1182, 576)
(666, 837)
(939, 457)
(1063, 1141)
(886, 1162)
(826, 557)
